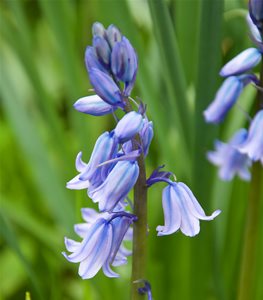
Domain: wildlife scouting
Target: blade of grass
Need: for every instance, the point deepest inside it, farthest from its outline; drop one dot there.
(206, 82)
(174, 75)
(37, 153)
(7, 233)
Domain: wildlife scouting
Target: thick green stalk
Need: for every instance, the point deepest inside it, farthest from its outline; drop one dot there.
(251, 235)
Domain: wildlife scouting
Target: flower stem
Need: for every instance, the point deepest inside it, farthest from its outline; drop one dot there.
(139, 231)
(248, 264)
(140, 227)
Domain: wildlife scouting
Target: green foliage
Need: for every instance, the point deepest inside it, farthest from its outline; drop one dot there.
(181, 45)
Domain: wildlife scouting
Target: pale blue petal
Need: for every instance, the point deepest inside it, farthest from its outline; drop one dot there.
(90, 266)
(253, 145)
(254, 30)
(189, 223)
(71, 245)
(225, 98)
(243, 62)
(93, 105)
(80, 165)
(194, 207)
(172, 213)
(92, 237)
(128, 126)
(77, 184)
(116, 186)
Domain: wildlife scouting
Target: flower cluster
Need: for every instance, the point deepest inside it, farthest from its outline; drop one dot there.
(113, 170)
(245, 146)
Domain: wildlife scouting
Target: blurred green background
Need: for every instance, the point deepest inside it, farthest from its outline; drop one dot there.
(181, 45)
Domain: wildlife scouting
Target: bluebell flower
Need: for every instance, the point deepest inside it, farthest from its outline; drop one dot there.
(226, 97)
(182, 211)
(124, 63)
(105, 148)
(93, 105)
(130, 124)
(105, 87)
(116, 186)
(100, 245)
(229, 159)
(243, 62)
(252, 145)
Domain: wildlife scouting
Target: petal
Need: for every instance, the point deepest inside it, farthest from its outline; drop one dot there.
(194, 206)
(243, 62)
(116, 186)
(253, 145)
(90, 240)
(77, 184)
(254, 30)
(80, 165)
(82, 229)
(71, 245)
(93, 105)
(89, 267)
(189, 223)
(172, 213)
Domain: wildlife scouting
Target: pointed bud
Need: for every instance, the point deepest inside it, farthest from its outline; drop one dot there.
(128, 126)
(113, 35)
(98, 29)
(124, 61)
(92, 61)
(93, 105)
(226, 97)
(243, 62)
(105, 87)
(102, 50)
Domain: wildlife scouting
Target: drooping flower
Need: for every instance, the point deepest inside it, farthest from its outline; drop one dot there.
(91, 174)
(252, 145)
(226, 97)
(182, 211)
(229, 159)
(116, 186)
(100, 245)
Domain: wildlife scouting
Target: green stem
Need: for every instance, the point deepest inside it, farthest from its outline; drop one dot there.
(251, 235)
(140, 226)
(139, 231)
